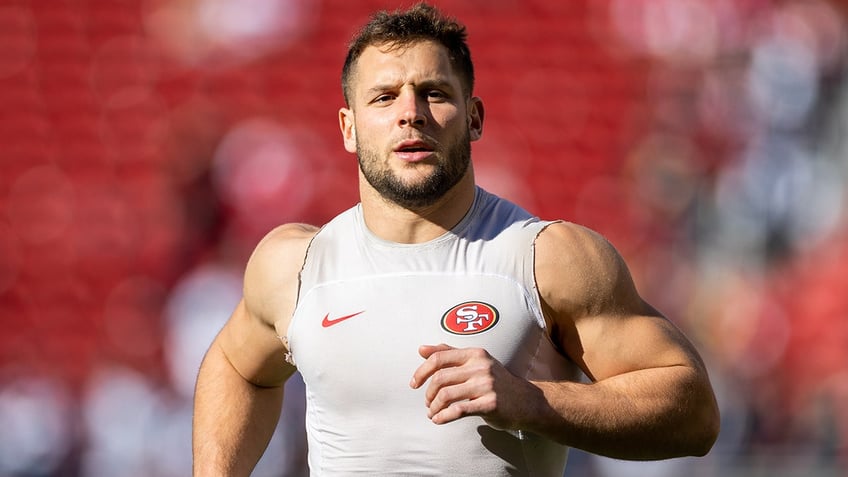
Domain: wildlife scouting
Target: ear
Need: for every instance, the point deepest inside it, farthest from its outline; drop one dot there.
(346, 124)
(475, 118)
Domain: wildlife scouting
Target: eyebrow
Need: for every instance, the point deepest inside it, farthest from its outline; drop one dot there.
(440, 83)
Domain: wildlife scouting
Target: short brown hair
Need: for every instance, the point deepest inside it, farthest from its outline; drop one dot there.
(421, 22)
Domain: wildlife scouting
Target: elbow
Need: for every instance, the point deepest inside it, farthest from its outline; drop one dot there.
(698, 421)
(704, 417)
(707, 429)
(703, 443)
(711, 432)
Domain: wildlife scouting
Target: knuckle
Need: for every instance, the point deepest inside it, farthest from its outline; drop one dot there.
(446, 395)
(487, 382)
(460, 408)
(484, 373)
(439, 359)
(430, 396)
(487, 404)
(438, 378)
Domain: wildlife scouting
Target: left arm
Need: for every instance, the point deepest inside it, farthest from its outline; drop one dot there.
(650, 396)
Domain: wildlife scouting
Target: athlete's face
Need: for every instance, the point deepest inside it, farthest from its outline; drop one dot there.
(410, 122)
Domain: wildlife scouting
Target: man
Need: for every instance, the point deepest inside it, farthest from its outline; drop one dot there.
(439, 329)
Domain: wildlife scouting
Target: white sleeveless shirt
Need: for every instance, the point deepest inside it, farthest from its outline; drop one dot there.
(365, 305)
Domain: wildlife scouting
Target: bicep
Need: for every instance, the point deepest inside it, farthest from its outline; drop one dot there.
(253, 349)
(618, 344)
(595, 313)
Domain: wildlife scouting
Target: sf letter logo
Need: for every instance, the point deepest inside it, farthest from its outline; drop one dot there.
(470, 318)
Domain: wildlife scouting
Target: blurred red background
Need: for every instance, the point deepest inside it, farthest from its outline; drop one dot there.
(147, 145)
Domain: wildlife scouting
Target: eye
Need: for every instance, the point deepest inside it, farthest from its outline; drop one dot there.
(436, 96)
(383, 98)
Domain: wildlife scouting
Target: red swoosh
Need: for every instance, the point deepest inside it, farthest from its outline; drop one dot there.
(327, 322)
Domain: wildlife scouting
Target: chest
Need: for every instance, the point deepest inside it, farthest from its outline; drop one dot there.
(362, 336)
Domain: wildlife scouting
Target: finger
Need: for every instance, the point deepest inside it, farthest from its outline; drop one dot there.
(448, 396)
(443, 378)
(427, 350)
(450, 413)
(451, 386)
(437, 357)
(456, 410)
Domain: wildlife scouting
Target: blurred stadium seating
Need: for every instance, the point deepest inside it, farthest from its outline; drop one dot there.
(147, 145)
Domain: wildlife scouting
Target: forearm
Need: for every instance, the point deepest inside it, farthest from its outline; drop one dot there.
(648, 414)
(233, 419)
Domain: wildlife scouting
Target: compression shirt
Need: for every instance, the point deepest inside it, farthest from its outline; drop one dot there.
(364, 307)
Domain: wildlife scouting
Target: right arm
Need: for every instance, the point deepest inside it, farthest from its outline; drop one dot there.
(239, 390)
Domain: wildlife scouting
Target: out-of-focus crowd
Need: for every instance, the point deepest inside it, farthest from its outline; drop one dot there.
(147, 145)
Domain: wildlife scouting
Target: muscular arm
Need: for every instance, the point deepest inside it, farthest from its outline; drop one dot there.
(650, 396)
(233, 417)
(239, 390)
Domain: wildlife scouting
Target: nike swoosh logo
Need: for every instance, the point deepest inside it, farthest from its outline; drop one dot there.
(327, 322)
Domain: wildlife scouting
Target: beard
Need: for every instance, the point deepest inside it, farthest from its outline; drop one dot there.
(425, 192)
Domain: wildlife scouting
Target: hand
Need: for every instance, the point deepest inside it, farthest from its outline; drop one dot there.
(470, 382)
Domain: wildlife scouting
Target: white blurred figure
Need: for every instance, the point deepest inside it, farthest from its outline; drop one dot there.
(120, 411)
(196, 311)
(34, 426)
(222, 33)
(136, 428)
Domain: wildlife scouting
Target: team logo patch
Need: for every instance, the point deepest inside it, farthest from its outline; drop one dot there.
(470, 318)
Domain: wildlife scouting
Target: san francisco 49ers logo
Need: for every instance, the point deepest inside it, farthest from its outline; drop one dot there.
(470, 318)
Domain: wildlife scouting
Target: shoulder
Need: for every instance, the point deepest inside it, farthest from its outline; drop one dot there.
(286, 236)
(270, 278)
(580, 272)
(283, 247)
(567, 243)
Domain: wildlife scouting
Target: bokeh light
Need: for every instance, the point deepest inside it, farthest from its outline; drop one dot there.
(146, 146)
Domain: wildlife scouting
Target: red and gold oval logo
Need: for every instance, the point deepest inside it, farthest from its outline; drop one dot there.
(470, 318)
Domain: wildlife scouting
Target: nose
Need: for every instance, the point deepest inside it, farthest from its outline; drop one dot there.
(412, 110)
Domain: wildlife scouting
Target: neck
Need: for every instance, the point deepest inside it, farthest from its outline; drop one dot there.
(394, 223)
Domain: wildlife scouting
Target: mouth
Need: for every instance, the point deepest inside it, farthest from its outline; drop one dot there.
(413, 145)
(413, 150)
